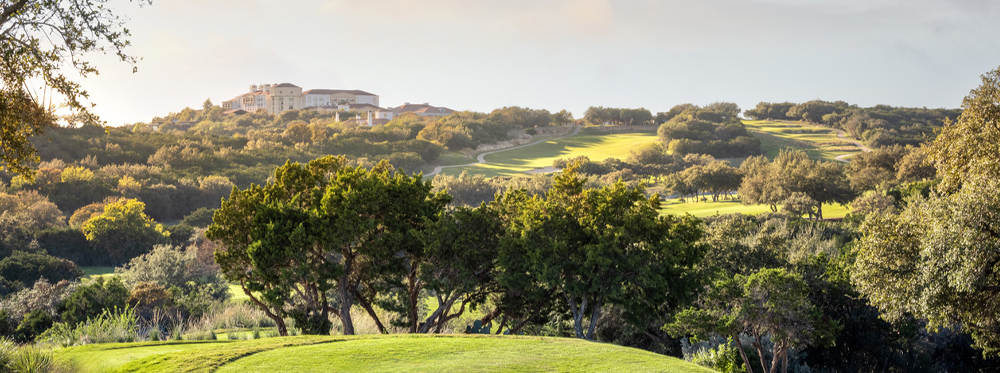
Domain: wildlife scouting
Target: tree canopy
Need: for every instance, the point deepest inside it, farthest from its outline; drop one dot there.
(42, 42)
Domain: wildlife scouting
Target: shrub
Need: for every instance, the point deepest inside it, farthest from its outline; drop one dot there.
(71, 244)
(32, 325)
(23, 269)
(89, 301)
(147, 296)
(169, 267)
(202, 217)
(43, 296)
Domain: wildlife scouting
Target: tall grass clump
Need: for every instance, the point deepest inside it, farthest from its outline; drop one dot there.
(27, 359)
(112, 326)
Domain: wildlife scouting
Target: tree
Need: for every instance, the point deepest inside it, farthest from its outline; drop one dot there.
(325, 227)
(41, 42)
(124, 231)
(938, 259)
(968, 148)
(769, 302)
(599, 246)
(792, 171)
(459, 264)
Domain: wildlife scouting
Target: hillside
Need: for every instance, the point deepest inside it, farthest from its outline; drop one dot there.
(398, 353)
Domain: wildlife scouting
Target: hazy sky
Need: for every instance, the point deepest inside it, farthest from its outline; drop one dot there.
(554, 54)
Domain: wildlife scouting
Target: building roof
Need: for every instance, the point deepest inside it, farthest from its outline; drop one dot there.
(235, 112)
(421, 109)
(335, 91)
(363, 106)
(286, 85)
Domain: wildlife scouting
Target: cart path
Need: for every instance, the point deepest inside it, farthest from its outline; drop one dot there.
(482, 156)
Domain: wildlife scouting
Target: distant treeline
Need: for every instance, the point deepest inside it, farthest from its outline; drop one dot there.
(879, 125)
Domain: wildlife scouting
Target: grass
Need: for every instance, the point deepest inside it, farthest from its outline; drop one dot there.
(590, 142)
(91, 273)
(393, 353)
(702, 209)
(819, 142)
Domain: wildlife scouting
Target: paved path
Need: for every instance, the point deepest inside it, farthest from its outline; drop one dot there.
(482, 156)
(843, 136)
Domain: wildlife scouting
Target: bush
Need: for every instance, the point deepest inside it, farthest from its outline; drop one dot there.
(202, 217)
(170, 266)
(89, 301)
(32, 325)
(23, 269)
(43, 296)
(71, 244)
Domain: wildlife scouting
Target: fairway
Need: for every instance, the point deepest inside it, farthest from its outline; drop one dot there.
(392, 353)
(673, 206)
(821, 143)
(591, 142)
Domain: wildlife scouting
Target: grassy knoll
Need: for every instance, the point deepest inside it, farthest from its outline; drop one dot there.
(819, 142)
(394, 353)
(702, 209)
(591, 142)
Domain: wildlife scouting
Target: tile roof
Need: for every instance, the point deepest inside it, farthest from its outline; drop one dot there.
(335, 91)
(286, 85)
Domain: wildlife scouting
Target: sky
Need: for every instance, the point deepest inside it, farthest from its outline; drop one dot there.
(552, 54)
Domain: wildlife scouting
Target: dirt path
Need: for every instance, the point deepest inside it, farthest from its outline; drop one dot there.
(482, 156)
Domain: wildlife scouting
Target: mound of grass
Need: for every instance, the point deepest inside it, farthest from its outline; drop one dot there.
(819, 142)
(394, 353)
(591, 142)
(701, 209)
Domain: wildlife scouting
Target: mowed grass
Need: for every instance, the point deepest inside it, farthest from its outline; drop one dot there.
(674, 206)
(821, 143)
(591, 142)
(394, 353)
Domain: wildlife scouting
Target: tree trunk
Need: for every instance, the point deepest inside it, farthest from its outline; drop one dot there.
(593, 320)
(760, 351)
(413, 292)
(778, 349)
(739, 347)
(280, 322)
(819, 212)
(346, 299)
(371, 313)
(577, 313)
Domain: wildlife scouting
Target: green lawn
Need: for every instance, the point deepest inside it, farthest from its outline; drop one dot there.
(393, 353)
(590, 142)
(819, 142)
(702, 209)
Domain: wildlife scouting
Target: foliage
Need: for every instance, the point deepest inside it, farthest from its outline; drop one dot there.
(27, 358)
(772, 183)
(714, 129)
(599, 116)
(202, 217)
(124, 231)
(321, 224)
(769, 302)
(32, 57)
(90, 300)
(23, 269)
(112, 325)
(603, 246)
(937, 259)
(966, 149)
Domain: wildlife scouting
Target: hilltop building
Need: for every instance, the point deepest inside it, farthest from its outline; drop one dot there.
(276, 98)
